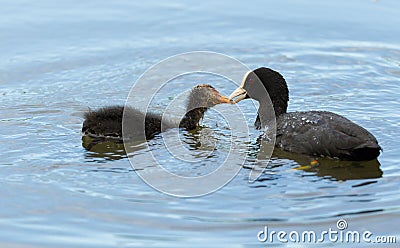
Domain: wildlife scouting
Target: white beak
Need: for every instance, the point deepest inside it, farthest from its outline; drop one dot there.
(238, 95)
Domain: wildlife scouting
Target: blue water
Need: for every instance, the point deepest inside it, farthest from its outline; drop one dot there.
(58, 58)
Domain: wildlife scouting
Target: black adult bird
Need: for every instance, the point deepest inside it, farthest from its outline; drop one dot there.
(106, 123)
(317, 133)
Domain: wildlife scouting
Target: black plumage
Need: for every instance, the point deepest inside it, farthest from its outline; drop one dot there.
(317, 133)
(106, 123)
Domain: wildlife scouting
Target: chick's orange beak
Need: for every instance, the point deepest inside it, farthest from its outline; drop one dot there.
(224, 99)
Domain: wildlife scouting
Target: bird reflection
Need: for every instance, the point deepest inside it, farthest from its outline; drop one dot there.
(322, 167)
(199, 139)
(258, 153)
(101, 150)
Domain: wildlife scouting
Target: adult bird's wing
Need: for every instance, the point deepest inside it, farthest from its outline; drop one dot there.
(322, 133)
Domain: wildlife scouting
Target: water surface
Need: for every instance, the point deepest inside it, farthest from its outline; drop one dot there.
(60, 58)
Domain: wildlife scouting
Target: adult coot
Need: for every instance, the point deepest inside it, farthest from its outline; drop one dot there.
(317, 133)
(106, 123)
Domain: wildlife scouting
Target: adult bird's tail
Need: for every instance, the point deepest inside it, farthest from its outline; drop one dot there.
(367, 151)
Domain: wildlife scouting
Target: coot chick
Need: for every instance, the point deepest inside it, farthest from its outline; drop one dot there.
(317, 133)
(106, 123)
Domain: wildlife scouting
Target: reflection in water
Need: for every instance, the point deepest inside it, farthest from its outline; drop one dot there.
(323, 167)
(101, 150)
(202, 139)
(197, 151)
(345, 170)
